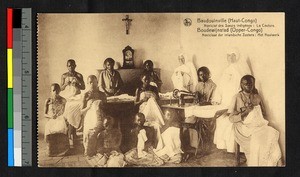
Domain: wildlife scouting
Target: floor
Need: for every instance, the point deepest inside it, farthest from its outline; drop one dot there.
(75, 158)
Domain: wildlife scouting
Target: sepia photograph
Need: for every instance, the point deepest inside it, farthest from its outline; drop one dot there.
(161, 90)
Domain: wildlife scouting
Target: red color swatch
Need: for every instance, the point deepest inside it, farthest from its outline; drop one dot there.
(9, 28)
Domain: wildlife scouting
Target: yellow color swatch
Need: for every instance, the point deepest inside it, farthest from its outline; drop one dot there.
(9, 68)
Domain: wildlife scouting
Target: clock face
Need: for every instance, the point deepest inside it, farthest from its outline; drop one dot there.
(128, 55)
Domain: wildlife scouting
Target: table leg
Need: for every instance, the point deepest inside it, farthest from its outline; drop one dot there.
(237, 153)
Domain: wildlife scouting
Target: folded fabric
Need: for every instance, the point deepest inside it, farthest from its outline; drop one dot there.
(208, 111)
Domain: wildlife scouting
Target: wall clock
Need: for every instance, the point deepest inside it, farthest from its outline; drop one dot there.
(128, 58)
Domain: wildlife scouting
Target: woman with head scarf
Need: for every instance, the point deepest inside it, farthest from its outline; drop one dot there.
(185, 75)
(228, 86)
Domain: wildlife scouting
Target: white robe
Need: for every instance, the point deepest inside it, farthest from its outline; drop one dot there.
(170, 144)
(90, 120)
(185, 77)
(228, 86)
(152, 112)
(263, 148)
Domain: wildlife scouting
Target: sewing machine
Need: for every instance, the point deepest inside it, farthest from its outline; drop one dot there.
(180, 94)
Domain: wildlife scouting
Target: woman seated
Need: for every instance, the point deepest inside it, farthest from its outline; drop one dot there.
(56, 127)
(205, 86)
(258, 140)
(146, 96)
(154, 78)
(184, 76)
(205, 90)
(92, 110)
(110, 81)
(170, 151)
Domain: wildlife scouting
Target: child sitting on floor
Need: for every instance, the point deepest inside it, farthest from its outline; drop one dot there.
(171, 144)
(141, 136)
(142, 140)
(108, 146)
(110, 138)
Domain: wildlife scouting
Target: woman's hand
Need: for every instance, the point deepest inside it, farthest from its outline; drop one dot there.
(246, 111)
(75, 82)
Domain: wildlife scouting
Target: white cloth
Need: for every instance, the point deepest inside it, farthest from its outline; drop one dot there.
(253, 122)
(142, 138)
(57, 125)
(264, 148)
(152, 111)
(72, 111)
(90, 120)
(70, 90)
(228, 86)
(224, 134)
(208, 111)
(170, 144)
(116, 159)
(121, 97)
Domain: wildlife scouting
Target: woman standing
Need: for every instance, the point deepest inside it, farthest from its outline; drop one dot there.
(184, 76)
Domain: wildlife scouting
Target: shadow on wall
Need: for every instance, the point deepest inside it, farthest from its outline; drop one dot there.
(269, 114)
(139, 56)
(249, 64)
(194, 60)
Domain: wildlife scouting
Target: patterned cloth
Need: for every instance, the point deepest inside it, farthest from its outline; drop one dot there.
(112, 159)
(56, 109)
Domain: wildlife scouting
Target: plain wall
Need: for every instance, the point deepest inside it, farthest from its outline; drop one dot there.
(90, 38)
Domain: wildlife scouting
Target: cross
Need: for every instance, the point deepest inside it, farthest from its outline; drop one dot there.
(127, 23)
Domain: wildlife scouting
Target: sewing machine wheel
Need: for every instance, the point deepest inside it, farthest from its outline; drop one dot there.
(175, 93)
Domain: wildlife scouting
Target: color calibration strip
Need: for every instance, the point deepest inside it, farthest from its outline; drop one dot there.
(19, 86)
(10, 107)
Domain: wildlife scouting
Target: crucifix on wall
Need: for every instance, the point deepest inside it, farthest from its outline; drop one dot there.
(127, 23)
